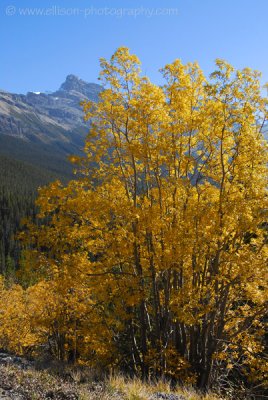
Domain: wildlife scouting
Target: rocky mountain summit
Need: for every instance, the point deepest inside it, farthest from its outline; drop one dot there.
(42, 129)
(76, 86)
(48, 118)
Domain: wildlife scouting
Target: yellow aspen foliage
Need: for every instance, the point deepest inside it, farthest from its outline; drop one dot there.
(159, 247)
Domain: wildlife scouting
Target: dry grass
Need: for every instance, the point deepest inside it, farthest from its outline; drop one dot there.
(81, 384)
(135, 389)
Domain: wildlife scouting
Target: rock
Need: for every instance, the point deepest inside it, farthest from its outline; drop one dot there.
(19, 362)
(60, 395)
(167, 396)
(77, 85)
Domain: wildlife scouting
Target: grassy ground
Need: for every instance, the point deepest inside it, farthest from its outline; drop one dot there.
(80, 384)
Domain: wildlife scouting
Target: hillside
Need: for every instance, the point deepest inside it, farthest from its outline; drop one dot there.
(37, 133)
(18, 189)
(48, 118)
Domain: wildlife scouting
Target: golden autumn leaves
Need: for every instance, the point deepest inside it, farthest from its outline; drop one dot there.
(159, 245)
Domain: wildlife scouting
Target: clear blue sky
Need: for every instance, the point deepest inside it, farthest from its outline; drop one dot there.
(37, 52)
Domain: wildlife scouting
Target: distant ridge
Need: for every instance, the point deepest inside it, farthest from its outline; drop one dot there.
(44, 128)
(48, 118)
(37, 133)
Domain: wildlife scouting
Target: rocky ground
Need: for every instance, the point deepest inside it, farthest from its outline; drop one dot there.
(21, 379)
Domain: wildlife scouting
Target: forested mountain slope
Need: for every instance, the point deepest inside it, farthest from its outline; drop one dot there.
(37, 133)
(18, 188)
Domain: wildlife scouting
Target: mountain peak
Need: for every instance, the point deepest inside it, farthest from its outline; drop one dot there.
(75, 84)
(72, 77)
(72, 82)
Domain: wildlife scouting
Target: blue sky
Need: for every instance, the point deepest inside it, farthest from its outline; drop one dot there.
(38, 51)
